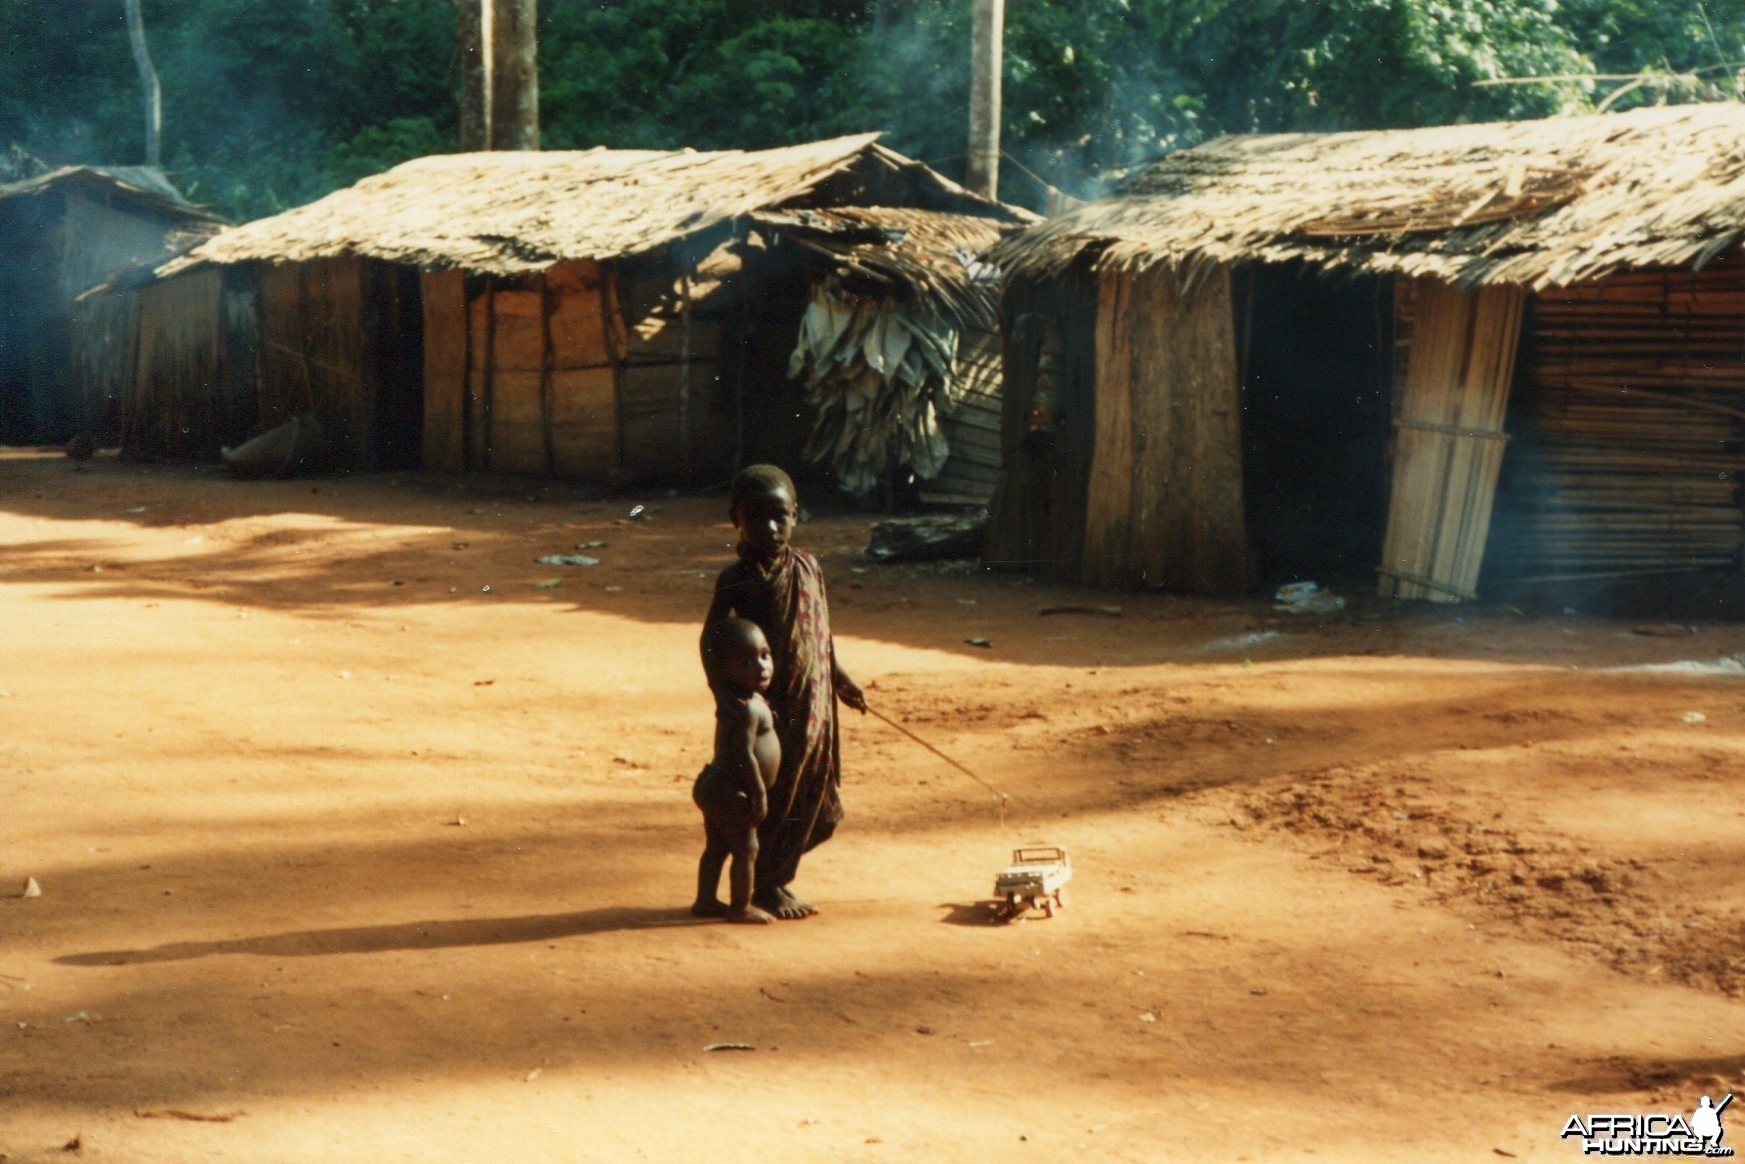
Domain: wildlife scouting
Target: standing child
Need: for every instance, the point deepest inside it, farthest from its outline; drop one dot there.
(781, 589)
(733, 791)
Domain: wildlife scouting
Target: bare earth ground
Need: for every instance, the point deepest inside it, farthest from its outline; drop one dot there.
(353, 858)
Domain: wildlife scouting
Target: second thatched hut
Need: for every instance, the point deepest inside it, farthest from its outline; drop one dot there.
(1509, 352)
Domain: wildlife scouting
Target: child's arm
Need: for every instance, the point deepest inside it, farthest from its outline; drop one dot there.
(847, 689)
(736, 724)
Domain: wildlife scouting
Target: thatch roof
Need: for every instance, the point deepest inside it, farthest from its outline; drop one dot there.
(138, 187)
(511, 213)
(1539, 203)
(933, 255)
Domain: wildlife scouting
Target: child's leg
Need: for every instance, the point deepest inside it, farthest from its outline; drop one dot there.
(715, 851)
(741, 879)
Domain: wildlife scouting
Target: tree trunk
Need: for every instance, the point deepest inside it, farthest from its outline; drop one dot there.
(982, 174)
(514, 76)
(148, 79)
(474, 69)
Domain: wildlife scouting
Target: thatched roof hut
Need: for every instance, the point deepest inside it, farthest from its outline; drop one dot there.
(1412, 278)
(62, 358)
(598, 314)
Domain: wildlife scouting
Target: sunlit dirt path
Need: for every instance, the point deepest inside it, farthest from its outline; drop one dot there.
(356, 843)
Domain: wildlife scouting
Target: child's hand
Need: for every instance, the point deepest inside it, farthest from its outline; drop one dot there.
(850, 693)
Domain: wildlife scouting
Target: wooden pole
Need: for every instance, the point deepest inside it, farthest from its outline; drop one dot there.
(473, 58)
(514, 75)
(982, 174)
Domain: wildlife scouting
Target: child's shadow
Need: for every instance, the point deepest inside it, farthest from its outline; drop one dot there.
(424, 935)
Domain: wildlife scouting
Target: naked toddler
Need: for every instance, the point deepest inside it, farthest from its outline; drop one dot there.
(733, 790)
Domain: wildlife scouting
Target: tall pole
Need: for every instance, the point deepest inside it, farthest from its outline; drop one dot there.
(148, 79)
(982, 174)
(514, 75)
(472, 52)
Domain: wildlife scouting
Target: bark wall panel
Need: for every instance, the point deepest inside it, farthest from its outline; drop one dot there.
(445, 370)
(1164, 498)
(665, 407)
(584, 423)
(578, 330)
(519, 343)
(517, 423)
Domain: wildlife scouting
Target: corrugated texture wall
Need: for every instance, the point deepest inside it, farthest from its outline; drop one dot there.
(1628, 430)
(972, 428)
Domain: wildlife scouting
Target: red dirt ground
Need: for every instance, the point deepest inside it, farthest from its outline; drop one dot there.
(355, 844)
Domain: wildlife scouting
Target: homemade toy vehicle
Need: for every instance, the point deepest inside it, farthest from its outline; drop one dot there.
(1036, 879)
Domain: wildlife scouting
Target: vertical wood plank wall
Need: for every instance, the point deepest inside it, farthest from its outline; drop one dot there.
(176, 406)
(1163, 504)
(313, 353)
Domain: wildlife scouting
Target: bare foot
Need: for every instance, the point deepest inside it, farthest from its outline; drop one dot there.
(708, 907)
(785, 905)
(749, 916)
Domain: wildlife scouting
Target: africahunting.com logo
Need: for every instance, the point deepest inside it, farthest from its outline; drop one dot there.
(1668, 1134)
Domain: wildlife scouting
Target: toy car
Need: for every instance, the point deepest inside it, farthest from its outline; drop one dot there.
(1036, 879)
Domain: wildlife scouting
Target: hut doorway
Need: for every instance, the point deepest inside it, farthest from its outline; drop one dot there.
(1316, 358)
(398, 334)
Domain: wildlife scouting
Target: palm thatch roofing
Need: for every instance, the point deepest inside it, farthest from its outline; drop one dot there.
(519, 213)
(1536, 203)
(934, 256)
(139, 187)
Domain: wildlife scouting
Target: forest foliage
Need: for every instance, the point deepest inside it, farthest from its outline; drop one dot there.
(270, 103)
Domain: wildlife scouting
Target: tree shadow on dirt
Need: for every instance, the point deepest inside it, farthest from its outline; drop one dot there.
(422, 935)
(368, 543)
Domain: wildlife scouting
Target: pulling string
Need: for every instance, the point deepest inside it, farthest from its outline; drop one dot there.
(1001, 796)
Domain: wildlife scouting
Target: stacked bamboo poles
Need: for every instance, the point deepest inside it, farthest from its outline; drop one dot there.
(1448, 444)
(1632, 422)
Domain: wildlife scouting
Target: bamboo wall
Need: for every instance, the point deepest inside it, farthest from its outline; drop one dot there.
(546, 376)
(1629, 429)
(1163, 504)
(1449, 439)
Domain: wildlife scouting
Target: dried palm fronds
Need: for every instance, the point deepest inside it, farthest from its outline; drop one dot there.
(880, 375)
